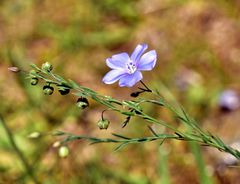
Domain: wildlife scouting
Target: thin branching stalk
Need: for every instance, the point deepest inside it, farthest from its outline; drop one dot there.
(130, 108)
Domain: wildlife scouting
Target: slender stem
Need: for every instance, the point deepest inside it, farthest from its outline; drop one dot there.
(200, 137)
(102, 114)
(147, 89)
(20, 155)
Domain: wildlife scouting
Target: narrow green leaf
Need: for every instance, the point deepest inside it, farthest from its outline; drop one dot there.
(121, 146)
(120, 136)
(152, 131)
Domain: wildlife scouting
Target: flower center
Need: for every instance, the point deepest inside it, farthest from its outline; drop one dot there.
(131, 67)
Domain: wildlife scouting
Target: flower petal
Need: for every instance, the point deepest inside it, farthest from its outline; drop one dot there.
(147, 61)
(112, 76)
(138, 51)
(118, 61)
(130, 80)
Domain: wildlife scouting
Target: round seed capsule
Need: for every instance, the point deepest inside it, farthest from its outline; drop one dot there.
(103, 124)
(82, 102)
(47, 66)
(48, 90)
(63, 151)
(34, 81)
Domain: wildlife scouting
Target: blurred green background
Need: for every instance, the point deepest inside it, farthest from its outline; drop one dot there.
(198, 46)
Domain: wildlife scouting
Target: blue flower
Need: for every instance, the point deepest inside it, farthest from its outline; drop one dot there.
(128, 69)
(229, 100)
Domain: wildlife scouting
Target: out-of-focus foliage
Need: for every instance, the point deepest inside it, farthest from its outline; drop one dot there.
(198, 46)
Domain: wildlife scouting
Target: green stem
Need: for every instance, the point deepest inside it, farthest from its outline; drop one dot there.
(199, 136)
(203, 174)
(20, 155)
(163, 168)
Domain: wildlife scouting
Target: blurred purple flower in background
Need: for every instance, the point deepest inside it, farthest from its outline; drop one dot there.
(127, 69)
(229, 100)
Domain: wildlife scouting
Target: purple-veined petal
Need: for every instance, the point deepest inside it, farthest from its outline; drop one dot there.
(138, 52)
(113, 75)
(147, 61)
(130, 80)
(118, 61)
(121, 56)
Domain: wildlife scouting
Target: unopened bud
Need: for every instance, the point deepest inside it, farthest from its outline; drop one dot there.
(63, 151)
(82, 102)
(33, 72)
(14, 69)
(103, 124)
(47, 66)
(135, 94)
(34, 135)
(56, 144)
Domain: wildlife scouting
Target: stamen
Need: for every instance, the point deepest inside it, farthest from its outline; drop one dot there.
(131, 67)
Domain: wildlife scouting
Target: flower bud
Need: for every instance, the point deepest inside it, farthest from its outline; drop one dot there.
(56, 144)
(82, 102)
(229, 100)
(34, 135)
(135, 94)
(34, 81)
(14, 69)
(32, 72)
(48, 90)
(103, 124)
(47, 67)
(63, 151)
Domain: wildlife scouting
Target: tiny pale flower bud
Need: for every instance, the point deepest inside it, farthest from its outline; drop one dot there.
(56, 144)
(63, 151)
(47, 66)
(103, 124)
(48, 90)
(82, 102)
(33, 72)
(14, 69)
(34, 135)
(34, 81)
